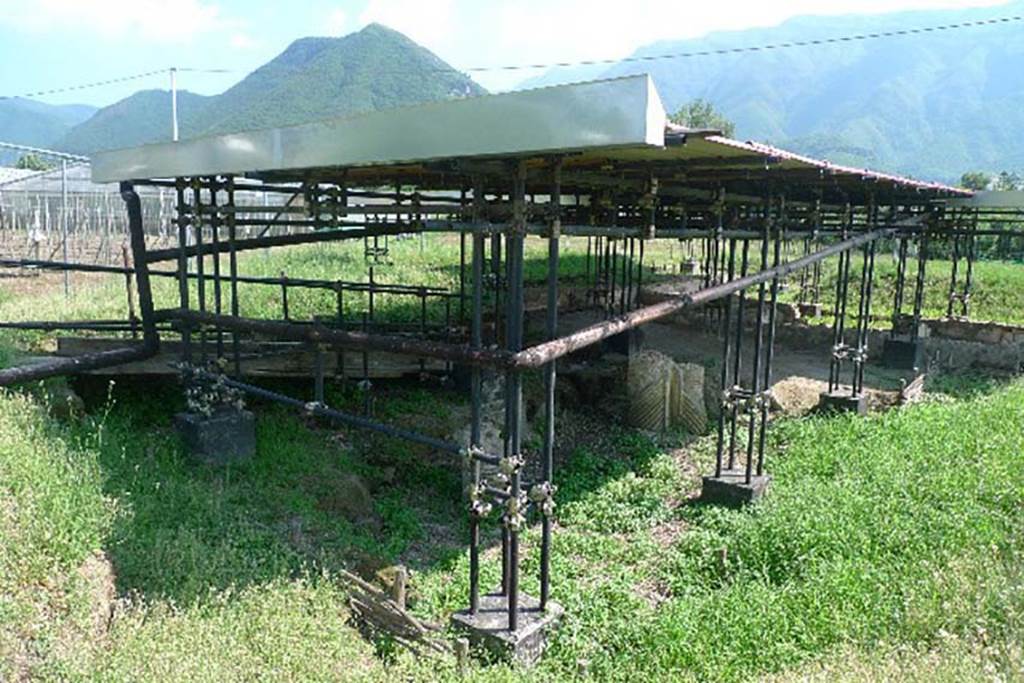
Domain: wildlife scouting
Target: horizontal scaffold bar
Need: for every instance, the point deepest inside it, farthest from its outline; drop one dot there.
(69, 366)
(541, 354)
(316, 333)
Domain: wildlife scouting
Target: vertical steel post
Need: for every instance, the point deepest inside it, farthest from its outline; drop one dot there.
(137, 233)
(901, 279)
(236, 352)
(476, 391)
(215, 244)
(755, 371)
(770, 348)
(726, 337)
(737, 359)
(129, 291)
(197, 226)
(184, 220)
(965, 298)
(513, 380)
(550, 378)
(919, 285)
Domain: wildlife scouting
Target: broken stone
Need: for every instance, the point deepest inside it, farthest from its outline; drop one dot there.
(352, 499)
(664, 394)
(65, 404)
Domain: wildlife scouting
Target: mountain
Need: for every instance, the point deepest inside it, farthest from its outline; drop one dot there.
(36, 124)
(932, 105)
(314, 78)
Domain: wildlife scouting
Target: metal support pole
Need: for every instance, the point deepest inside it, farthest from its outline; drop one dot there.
(919, 285)
(513, 380)
(215, 243)
(184, 221)
(476, 389)
(197, 225)
(769, 355)
(233, 271)
(550, 378)
(726, 337)
(737, 359)
(755, 372)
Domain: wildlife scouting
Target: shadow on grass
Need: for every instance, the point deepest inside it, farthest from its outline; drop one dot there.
(184, 530)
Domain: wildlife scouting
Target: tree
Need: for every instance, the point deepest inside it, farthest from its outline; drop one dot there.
(1008, 180)
(32, 162)
(976, 180)
(700, 113)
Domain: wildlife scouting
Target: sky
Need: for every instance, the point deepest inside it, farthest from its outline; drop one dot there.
(50, 44)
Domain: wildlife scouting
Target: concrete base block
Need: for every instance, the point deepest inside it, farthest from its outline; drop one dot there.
(220, 439)
(731, 488)
(809, 310)
(488, 629)
(903, 354)
(839, 402)
(688, 267)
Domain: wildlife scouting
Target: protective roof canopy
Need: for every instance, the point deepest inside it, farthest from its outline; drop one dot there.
(604, 125)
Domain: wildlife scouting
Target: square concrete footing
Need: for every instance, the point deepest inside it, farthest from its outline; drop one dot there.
(225, 437)
(809, 310)
(488, 629)
(903, 354)
(688, 268)
(838, 402)
(732, 489)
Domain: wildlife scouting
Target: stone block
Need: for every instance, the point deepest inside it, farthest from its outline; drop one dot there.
(732, 489)
(222, 438)
(809, 310)
(488, 632)
(840, 402)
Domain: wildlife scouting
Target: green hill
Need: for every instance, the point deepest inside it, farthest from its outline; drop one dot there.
(142, 117)
(932, 105)
(314, 78)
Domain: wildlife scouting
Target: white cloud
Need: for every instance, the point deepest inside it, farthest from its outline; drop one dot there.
(241, 41)
(160, 21)
(337, 22)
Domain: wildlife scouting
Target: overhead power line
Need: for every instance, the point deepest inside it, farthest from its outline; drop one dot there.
(759, 48)
(810, 42)
(111, 81)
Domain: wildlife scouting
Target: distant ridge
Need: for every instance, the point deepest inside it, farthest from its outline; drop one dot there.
(932, 105)
(36, 124)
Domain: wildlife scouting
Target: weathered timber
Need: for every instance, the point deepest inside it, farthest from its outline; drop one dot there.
(258, 359)
(360, 341)
(41, 369)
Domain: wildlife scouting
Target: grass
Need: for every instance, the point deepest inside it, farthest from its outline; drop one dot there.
(897, 531)
(889, 547)
(997, 290)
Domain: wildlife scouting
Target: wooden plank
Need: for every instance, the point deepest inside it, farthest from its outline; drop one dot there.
(259, 359)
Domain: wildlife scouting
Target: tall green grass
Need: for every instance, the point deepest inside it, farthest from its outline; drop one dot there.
(890, 531)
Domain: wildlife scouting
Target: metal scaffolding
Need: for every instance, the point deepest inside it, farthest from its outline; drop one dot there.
(596, 161)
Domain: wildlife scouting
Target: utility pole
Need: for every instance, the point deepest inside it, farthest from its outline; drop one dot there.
(174, 103)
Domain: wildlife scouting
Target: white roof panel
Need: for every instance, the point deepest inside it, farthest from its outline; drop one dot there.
(597, 114)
